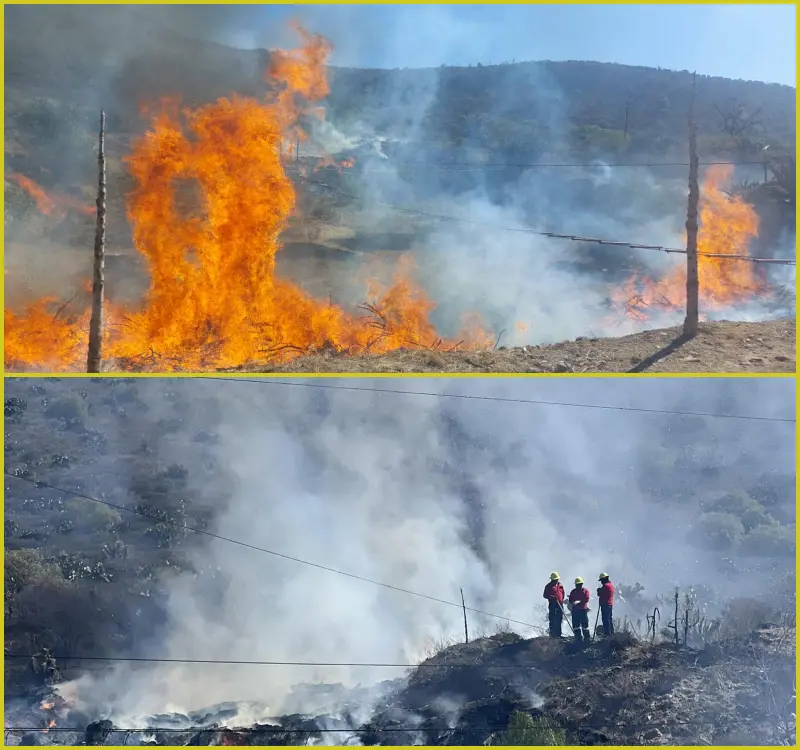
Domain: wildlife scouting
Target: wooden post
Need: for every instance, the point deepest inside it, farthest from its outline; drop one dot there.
(691, 323)
(464, 607)
(677, 638)
(95, 356)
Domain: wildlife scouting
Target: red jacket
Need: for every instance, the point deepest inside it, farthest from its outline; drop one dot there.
(606, 594)
(554, 592)
(579, 598)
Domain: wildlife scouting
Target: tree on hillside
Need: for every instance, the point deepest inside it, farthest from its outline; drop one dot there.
(523, 729)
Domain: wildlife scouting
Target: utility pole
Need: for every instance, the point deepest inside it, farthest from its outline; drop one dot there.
(692, 321)
(95, 355)
(464, 608)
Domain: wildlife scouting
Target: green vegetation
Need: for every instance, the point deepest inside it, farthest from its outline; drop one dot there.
(524, 729)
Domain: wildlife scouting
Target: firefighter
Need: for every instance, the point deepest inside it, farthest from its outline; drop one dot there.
(44, 663)
(579, 604)
(605, 595)
(554, 593)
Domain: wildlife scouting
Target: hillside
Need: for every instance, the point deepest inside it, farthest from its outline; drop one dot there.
(738, 689)
(472, 106)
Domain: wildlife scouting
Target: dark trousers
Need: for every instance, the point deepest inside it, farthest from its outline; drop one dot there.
(555, 615)
(608, 620)
(580, 624)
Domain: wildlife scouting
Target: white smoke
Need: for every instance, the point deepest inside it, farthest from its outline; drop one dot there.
(378, 485)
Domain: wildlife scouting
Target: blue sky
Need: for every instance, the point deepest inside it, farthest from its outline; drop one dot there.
(754, 42)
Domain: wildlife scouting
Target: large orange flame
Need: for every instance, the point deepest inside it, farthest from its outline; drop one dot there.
(727, 224)
(210, 201)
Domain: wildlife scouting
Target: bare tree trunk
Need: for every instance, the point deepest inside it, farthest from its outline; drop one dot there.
(677, 638)
(690, 325)
(464, 607)
(95, 356)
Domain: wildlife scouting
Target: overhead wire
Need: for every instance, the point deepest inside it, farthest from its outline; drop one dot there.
(375, 665)
(466, 166)
(359, 730)
(550, 235)
(211, 534)
(504, 399)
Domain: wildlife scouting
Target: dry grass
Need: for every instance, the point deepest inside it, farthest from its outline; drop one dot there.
(720, 347)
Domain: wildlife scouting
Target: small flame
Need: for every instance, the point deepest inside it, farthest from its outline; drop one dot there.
(50, 725)
(727, 225)
(328, 161)
(51, 204)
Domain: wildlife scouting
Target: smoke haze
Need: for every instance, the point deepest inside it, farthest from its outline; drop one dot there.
(432, 495)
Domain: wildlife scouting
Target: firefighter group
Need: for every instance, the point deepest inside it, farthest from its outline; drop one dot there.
(578, 603)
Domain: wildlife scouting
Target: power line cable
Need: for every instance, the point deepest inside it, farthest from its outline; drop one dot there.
(211, 534)
(504, 399)
(556, 165)
(387, 665)
(552, 235)
(359, 730)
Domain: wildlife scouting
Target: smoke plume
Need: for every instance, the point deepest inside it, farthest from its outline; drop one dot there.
(432, 495)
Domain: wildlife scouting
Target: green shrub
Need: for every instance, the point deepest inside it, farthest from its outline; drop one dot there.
(66, 409)
(770, 540)
(746, 508)
(90, 514)
(719, 531)
(24, 568)
(523, 729)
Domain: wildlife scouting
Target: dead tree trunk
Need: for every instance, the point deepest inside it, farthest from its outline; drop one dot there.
(676, 624)
(690, 325)
(95, 356)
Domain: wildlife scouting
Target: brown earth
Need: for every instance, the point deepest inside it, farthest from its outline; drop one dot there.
(720, 347)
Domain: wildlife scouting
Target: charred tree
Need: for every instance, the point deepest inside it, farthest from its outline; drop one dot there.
(691, 323)
(95, 355)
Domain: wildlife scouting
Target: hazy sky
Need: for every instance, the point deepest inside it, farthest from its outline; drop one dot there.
(755, 42)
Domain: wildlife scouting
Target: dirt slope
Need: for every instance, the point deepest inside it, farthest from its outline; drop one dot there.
(720, 347)
(736, 691)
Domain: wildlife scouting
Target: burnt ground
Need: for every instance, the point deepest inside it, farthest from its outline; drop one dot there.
(720, 347)
(737, 691)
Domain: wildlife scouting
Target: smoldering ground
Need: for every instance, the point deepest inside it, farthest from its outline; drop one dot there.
(554, 289)
(432, 495)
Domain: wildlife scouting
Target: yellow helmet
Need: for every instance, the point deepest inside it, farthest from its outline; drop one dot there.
(578, 580)
(602, 576)
(554, 576)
